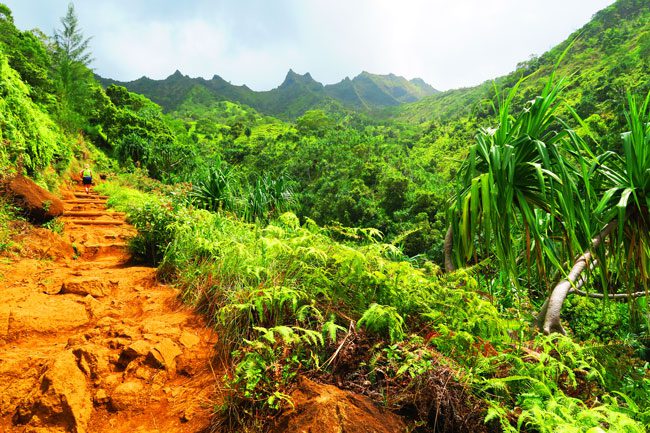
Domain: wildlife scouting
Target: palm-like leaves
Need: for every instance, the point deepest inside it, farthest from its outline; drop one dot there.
(626, 182)
(214, 191)
(515, 175)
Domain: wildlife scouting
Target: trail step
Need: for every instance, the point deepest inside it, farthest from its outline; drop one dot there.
(96, 222)
(82, 213)
(107, 245)
(78, 201)
(90, 196)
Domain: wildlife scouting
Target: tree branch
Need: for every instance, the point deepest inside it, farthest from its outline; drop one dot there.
(553, 306)
(609, 295)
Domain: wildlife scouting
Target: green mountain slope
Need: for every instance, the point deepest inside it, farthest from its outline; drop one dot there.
(610, 55)
(297, 93)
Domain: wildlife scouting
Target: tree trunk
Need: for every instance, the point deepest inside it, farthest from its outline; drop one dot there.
(548, 319)
(447, 247)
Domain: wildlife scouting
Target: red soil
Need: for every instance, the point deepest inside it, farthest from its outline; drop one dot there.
(92, 343)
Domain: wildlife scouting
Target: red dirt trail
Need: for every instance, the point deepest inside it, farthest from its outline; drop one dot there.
(91, 343)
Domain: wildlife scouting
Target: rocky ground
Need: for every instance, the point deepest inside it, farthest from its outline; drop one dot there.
(90, 342)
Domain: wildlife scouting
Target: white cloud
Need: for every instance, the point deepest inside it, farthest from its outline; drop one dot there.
(449, 44)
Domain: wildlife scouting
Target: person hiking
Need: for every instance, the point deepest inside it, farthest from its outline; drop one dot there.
(87, 177)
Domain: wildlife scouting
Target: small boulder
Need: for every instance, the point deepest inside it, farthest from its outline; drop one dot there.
(95, 308)
(189, 340)
(136, 350)
(163, 355)
(101, 397)
(62, 400)
(84, 286)
(38, 204)
(128, 395)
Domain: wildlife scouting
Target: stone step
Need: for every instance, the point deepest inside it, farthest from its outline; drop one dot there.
(95, 222)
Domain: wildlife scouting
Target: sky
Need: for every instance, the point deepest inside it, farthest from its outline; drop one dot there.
(448, 43)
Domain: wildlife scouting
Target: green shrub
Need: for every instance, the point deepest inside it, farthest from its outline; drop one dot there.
(8, 213)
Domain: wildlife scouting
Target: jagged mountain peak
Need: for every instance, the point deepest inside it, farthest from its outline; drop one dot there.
(296, 78)
(177, 74)
(296, 94)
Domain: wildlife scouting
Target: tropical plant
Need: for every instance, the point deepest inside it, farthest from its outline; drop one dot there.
(383, 320)
(215, 191)
(515, 185)
(623, 182)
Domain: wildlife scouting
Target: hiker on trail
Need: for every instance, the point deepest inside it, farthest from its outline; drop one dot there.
(87, 177)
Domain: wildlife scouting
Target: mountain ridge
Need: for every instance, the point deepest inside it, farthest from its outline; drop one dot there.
(620, 30)
(295, 95)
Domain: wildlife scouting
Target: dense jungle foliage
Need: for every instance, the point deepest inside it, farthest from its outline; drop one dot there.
(316, 244)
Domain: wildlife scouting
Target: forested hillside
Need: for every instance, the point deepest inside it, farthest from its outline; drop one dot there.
(297, 93)
(607, 57)
(474, 261)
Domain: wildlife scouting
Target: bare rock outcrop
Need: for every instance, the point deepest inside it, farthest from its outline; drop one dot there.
(38, 204)
(62, 400)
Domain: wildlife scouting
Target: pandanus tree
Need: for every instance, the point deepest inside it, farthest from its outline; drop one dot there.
(620, 251)
(515, 185)
(531, 190)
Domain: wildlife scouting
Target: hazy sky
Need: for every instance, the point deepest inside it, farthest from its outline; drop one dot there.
(448, 43)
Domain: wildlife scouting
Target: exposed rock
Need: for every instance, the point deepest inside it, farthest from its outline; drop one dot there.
(83, 286)
(144, 373)
(95, 308)
(327, 409)
(160, 327)
(117, 343)
(101, 397)
(125, 331)
(92, 359)
(5, 313)
(45, 244)
(111, 380)
(188, 339)
(42, 313)
(163, 355)
(38, 204)
(18, 382)
(138, 349)
(127, 395)
(62, 401)
(106, 322)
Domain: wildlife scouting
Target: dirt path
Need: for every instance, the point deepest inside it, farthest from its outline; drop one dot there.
(91, 343)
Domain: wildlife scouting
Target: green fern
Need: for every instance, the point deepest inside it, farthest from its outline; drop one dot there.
(383, 320)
